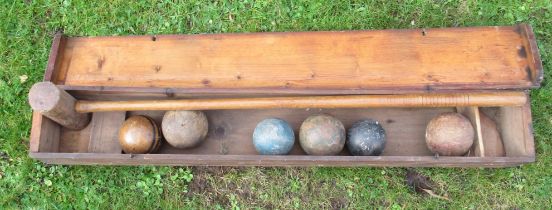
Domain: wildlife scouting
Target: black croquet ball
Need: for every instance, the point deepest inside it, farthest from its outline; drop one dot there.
(365, 138)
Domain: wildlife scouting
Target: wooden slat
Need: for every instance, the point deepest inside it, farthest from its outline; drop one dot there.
(45, 134)
(479, 140)
(345, 62)
(531, 49)
(104, 136)
(56, 51)
(517, 131)
(491, 137)
(36, 127)
(286, 161)
(528, 131)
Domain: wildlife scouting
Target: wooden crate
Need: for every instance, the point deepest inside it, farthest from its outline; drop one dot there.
(450, 60)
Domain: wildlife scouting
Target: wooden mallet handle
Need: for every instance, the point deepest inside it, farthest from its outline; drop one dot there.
(347, 101)
(58, 105)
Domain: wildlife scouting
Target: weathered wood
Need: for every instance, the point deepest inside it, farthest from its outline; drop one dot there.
(511, 125)
(56, 52)
(491, 138)
(213, 68)
(285, 161)
(480, 145)
(56, 104)
(528, 131)
(531, 49)
(353, 62)
(349, 101)
(104, 133)
(45, 134)
(75, 140)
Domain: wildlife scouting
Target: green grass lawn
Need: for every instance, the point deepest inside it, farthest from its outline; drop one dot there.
(26, 30)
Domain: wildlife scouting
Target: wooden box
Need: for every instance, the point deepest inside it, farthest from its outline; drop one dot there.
(389, 62)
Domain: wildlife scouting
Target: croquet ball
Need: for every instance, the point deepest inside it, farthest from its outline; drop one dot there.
(322, 135)
(184, 129)
(449, 134)
(273, 136)
(366, 137)
(139, 134)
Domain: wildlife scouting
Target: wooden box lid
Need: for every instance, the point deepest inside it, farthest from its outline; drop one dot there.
(337, 62)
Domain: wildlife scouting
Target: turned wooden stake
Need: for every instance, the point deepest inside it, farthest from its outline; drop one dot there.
(330, 102)
(58, 105)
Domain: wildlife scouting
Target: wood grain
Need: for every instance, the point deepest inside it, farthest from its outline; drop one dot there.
(56, 104)
(56, 51)
(284, 161)
(350, 101)
(387, 61)
(105, 131)
(45, 134)
(491, 136)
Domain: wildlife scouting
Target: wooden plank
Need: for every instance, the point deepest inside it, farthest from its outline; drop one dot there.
(349, 62)
(45, 134)
(75, 140)
(285, 161)
(494, 147)
(531, 50)
(528, 131)
(36, 127)
(516, 131)
(104, 134)
(56, 51)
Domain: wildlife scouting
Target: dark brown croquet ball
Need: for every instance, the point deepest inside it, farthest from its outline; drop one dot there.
(322, 135)
(184, 129)
(449, 134)
(366, 137)
(139, 134)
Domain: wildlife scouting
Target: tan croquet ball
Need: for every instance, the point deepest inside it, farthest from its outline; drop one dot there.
(322, 134)
(184, 129)
(139, 134)
(449, 134)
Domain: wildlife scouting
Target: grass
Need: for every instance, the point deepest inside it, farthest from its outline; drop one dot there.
(26, 29)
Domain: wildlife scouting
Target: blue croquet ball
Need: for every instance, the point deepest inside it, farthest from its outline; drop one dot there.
(366, 137)
(273, 136)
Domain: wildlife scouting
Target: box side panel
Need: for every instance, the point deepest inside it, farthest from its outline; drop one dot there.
(285, 161)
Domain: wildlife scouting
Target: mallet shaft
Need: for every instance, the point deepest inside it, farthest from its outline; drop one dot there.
(348, 101)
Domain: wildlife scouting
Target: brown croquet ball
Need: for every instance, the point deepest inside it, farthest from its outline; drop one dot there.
(322, 135)
(449, 134)
(139, 134)
(184, 129)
